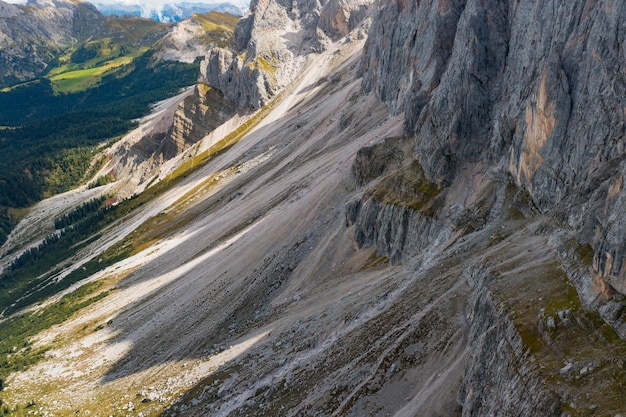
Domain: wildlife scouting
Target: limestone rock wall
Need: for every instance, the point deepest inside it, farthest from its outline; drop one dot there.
(533, 90)
(500, 378)
(197, 115)
(398, 211)
(397, 232)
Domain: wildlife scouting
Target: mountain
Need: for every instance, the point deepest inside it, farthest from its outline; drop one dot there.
(86, 91)
(33, 34)
(45, 38)
(362, 208)
(167, 12)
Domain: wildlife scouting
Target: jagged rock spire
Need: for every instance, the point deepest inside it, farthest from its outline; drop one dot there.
(272, 43)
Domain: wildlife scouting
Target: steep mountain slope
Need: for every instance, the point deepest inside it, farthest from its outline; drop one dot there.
(272, 44)
(419, 220)
(516, 93)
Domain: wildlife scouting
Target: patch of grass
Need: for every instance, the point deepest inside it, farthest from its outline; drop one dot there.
(553, 294)
(585, 253)
(214, 20)
(408, 187)
(204, 88)
(8, 89)
(18, 213)
(102, 180)
(375, 261)
(266, 66)
(84, 79)
(134, 30)
(219, 27)
(16, 350)
(579, 337)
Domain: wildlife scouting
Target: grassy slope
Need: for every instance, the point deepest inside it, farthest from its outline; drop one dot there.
(218, 26)
(123, 39)
(84, 79)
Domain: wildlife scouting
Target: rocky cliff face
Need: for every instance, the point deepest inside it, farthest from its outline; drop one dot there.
(199, 114)
(531, 95)
(534, 91)
(32, 35)
(272, 44)
(432, 227)
(509, 172)
(399, 214)
(501, 378)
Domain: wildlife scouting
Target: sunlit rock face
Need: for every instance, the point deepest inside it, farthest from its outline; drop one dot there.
(273, 42)
(199, 114)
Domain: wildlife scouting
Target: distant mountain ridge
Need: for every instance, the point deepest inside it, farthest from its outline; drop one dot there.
(32, 35)
(37, 39)
(170, 12)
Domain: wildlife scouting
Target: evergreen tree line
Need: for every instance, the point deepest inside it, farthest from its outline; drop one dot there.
(28, 181)
(74, 227)
(33, 254)
(49, 146)
(7, 223)
(18, 280)
(20, 277)
(79, 213)
(52, 137)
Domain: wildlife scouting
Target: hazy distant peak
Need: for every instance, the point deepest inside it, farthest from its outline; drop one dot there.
(166, 11)
(49, 3)
(8, 10)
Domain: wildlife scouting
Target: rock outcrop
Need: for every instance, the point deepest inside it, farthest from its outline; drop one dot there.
(198, 114)
(501, 378)
(398, 212)
(272, 43)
